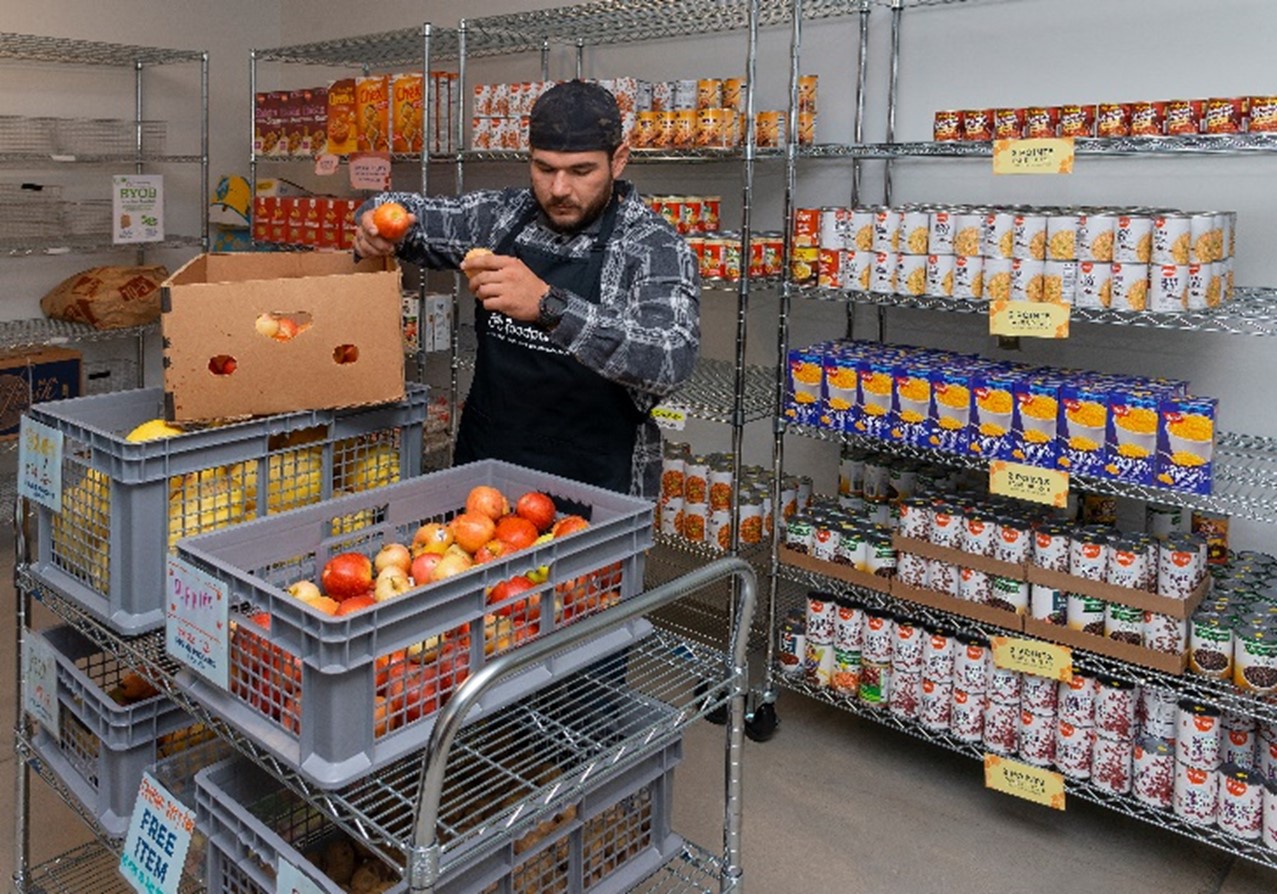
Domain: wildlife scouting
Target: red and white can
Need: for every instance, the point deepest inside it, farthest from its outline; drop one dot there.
(940, 231)
(1270, 814)
(1088, 556)
(1179, 567)
(1012, 541)
(1028, 236)
(944, 577)
(906, 694)
(1153, 780)
(880, 631)
(834, 226)
(1077, 121)
(999, 234)
(1041, 121)
(1001, 727)
(1061, 237)
(1111, 764)
(849, 627)
(1004, 686)
(971, 664)
(938, 656)
(946, 526)
(1196, 794)
(1115, 708)
(1039, 694)
(940, 275)
(966, 719)
(1168, 288)
(1224, 115)
(1128, 563)
(1148, 118)
(1077, 699)
(946, 126)
(1051, 547)
(1085, 613)
(968, 233)
(977, 533)
(1133, 239)
(1165, 633)
(1158, 712)
(857, 270)
(821, 612)
(1048, 604)
(1113, 119)
(882, 278)
(886, 229)
(1037, 738)
(1241, 802)
(1171, 236)
(977, 124)
(907, 650)
(968, 277)
(1130, 286)
(1238, 747)
(936, 705)
(1197, 739)
(911, 275)
(829, 268)
(1008, 124)
(975, 586)
(1183, 117)
(1095, 236)
(1074, 744)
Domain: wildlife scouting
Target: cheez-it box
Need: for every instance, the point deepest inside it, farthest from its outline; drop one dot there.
(254, 333)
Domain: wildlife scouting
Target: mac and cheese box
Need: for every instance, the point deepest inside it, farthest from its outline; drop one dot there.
(1035, 423)
(876, 389)
(804, 385)
(1186, 443)
(841, 388)
(1083, 427)
(1132, 435)
(992, 411)
(911, 407)
(951, 408)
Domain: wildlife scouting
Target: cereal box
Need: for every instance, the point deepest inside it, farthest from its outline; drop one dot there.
(263, 210)
(911, 403)
(296, 138)
(992, 411)
(330, 214)
(264, 132)
(406, 111)
(1132, 435)
(951, 407)
(312, 217)
(1186, 443)
(1035, 422)
(804, 385)
(343, 125)
(1083, 426)
(315, 117)
(842, 394)
(372, 108)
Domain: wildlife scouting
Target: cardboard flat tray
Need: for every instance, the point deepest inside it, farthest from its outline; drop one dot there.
(958, 557)
(1162, 661)
(987, 614)
(844, 573)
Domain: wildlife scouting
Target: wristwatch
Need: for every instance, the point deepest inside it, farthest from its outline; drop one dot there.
(551, 309)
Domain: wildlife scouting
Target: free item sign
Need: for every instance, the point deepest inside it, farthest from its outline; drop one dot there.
(1008, 479)
(158, 838)
(1049, 155)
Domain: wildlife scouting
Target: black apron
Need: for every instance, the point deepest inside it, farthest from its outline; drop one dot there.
(532, 402)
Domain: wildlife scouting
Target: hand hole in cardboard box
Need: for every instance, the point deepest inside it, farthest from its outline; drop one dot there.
(345, 354)
(282, 325)
(222, 365)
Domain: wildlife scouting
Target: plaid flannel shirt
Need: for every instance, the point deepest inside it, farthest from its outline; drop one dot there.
(644, 333)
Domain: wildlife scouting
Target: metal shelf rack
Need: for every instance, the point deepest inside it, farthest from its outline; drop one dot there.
(1094, 147)
(89, 245)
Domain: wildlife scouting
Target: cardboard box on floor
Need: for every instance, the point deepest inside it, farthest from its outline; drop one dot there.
(210, 308)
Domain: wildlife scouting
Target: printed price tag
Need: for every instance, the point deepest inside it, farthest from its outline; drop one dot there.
(1030, 319)
(290, 880)
(40, 463)
(370, 170)
(1031, 656)
(40, 682)
(1008, 479)
(670, 417)
(1050, 155)
(195, 622)
(158, 838)
(327, 164)
(1024, 781)
(137, 208)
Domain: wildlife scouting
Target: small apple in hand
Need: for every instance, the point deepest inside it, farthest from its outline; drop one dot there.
(393, 555)
(347, 575)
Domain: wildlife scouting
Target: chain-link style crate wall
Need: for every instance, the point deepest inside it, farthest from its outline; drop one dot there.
(610, 839)
(111, 727)
(337, 697)
(125, 503)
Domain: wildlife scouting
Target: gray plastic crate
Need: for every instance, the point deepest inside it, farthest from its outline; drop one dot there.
(617, 834)
(103, 746)
(306, 687)
(124, 504)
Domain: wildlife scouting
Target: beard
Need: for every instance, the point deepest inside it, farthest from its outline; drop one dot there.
(581, 215)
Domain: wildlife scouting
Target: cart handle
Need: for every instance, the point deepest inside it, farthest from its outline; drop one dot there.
(423, 863)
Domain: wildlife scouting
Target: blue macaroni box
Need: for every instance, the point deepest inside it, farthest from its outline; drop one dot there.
(1035, 422)
(992, 409)
(1083, 427)
(911, 404)
(1132, 435)
(951, 408)
(876, 388)
(842, 388)
(804, 383)
(1186, 443)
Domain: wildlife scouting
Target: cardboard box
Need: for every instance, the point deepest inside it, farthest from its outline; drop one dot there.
(210, 308)
(832, 569)
(35, 376)
(961, 558)
(1163, 661)
(977, 611)
(1141, 599)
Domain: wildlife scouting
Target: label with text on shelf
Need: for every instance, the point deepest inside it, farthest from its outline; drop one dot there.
(1045, 155)
(1008, 479)
(1031, 656)
(669, 416)
(1029, 319)
(1025, 781)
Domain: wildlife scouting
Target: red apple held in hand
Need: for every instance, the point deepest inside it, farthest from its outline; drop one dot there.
(390, 583)
(355, 604)
(423, 568)
(516, 532)
(347, 575)
(569, 524)
(489, 501)
(305, 590)
(471, 530)
(393, 555)
(537, 508)
(432, 537)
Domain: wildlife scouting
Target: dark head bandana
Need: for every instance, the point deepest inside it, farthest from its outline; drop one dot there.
(575, 117)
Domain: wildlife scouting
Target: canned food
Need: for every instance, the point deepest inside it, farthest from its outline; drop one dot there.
(936, 705)
(709, 93)
(1001, 727)
(824, 541)
(1039, 694)
(731, 255)
(966, 718)
(1059, 281)
(1004, 686)
(671, 510)
(1128, 563)
(1210, 646)
(769, 129)
(846, 675)
(1115, 708)
(875, 683)
(945, 577)
(977, 533)
(862, 229)
(1238, 746)
(938, 655)
(1197, 739)
(1095, 236)
(1153, 779)
(997, 279)
(940, 223)
(695, 520)
(849, 626)
(1133, 239)
(798, 533)
(968, 277)
(1241, 802)
(1124, 623)
(818, 663)
(1255, 658)
(968, 234)
(1051, 547)
(1180, 566)
(734, 94)
(940, 276)
(1113, 119)
(911, 275)
(807, 89)
(1077, 699)
(882, 278)
(718, 531)
(1158, 712)
(647, 130)
(1165, 633)
(714, 128)
(906, 694)
(879, 636)
(947, 126)
(1085, 613)
(915, 518)
(1041, 121)
(975, 586)
(911, 570)
(1088, 556)
(1077, 121)
(972, 661)
(977, 124)
(1168, 288)
(1008, 124)
(915, 223)
(773, 248)
(1171, 237)
(1028, 279)
(1148, 118)
(1073, 746)
(1201, 235)
(886, 229)
(791, 647)
(1061, 237)
(685, 121)
(1028, 238)
(999, 234)
(1196, 792)
(1037, 738)
(1183, 116)
(752, 519)
(1111, 767)
(683, 94)
(1012, 541)
(1224, 115)
(1048, 604)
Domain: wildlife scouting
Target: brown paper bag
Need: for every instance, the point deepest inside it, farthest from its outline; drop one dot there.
(108, 297)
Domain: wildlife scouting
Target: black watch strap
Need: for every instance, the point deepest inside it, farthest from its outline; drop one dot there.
(551, 309)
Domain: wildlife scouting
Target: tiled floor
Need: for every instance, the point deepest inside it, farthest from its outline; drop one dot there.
(834, 803)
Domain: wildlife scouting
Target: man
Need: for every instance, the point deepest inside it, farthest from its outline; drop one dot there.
(588, 302)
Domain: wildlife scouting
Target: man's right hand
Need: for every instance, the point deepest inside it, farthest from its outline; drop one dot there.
(369, 243)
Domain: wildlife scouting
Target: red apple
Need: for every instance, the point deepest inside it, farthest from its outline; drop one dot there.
(472, 530)
(536, 508)
(325, 604)
(394, 555)
(489, 501)
(423, 568)
(432, 537)
(491, 550)
(506, 590)
(347, 575)
(355, 604)
(569, 524)
(392, 582)
(516, 532)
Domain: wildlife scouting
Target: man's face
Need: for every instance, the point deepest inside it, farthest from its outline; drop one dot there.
(573, 188)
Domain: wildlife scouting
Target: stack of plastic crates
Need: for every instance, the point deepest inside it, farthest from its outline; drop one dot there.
(337, 697)
(125, 504)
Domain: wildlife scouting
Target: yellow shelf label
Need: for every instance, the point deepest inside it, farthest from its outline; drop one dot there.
(1030, 319)
(669, 417)
(1049, 155)
(1024, 781)
(1008, 479)
(1031, 656)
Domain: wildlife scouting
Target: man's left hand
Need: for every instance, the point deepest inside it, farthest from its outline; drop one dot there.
(505, 284)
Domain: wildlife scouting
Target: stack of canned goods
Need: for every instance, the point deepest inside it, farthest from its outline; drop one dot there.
(1145, 118)
(1233, 633)
(830, 532)
(1132, 259)
(720, 252)
(1205, 766)
(709, 113)
(696, 498)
